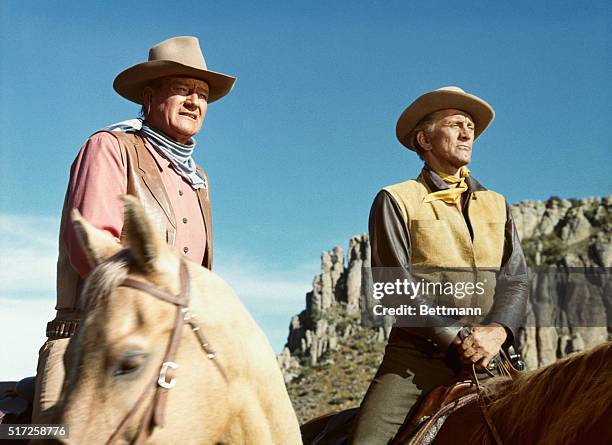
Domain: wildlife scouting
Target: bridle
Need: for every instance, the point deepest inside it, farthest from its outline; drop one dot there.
(164, 380)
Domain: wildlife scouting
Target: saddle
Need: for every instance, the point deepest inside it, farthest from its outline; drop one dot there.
(444, 400)
(438, 404)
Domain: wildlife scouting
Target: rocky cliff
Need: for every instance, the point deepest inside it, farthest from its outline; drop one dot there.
(568, 246)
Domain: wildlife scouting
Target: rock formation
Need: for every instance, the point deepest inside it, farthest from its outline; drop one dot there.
(568, 246)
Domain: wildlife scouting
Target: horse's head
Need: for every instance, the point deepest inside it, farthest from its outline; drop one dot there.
(138, 339)
(114, 361)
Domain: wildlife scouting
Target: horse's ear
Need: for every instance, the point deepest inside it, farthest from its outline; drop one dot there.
(97, 244)
(145, 244)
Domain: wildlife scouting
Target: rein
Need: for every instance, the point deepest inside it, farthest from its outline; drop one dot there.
(164, 380)
(504, 368)
(482, 404)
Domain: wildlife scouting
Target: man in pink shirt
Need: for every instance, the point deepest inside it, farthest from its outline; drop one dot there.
(150, 158)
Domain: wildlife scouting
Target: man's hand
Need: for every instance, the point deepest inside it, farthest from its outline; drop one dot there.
(482, 345)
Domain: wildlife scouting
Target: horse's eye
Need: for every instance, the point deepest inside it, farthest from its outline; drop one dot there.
(129, 363)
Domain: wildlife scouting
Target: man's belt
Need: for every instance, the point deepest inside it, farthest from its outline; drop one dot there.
(61, 329)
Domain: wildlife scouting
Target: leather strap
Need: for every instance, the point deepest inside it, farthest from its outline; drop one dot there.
(504, 368)
(177, 300)
(487, 417)
(164, 380)
(482, 403)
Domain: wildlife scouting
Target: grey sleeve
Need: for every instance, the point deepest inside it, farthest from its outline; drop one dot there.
(512, 288)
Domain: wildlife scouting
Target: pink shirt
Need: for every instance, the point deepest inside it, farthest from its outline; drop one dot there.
(99, 177)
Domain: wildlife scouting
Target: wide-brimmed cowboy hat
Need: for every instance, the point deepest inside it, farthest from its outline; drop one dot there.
(178, 56)
(444, 98)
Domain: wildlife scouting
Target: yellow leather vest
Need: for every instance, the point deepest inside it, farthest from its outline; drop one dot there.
(442, 249)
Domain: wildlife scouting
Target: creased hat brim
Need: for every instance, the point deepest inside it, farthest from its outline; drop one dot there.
(481, 112)
(131, 82)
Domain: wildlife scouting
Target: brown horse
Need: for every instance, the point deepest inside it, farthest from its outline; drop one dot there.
(567, 402)
(143, 368)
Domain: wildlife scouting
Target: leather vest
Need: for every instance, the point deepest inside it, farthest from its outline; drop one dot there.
(443, 250)
(143, 181)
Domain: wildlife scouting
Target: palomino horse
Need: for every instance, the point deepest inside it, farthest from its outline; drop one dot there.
(166, 353)
(567, 402)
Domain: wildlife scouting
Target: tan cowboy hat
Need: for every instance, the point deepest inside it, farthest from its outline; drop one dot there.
(178, 56)
(444, 98)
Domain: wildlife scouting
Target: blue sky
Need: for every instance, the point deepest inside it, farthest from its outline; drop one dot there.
(301, 146)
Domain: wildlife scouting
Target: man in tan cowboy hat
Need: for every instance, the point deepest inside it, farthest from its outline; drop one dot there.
(434, 230)
(150, 158)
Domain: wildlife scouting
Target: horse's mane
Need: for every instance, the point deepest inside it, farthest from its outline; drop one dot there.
(104, 279)
(561, 399)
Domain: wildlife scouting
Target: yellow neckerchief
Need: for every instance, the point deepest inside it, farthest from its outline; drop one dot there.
(452, 194)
